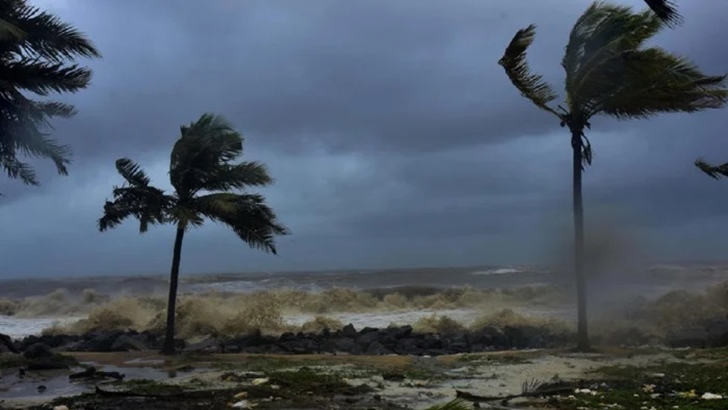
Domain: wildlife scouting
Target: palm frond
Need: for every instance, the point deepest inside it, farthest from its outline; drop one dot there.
(712, 170)
(593, 60)
(666, 10)
(531, 86)
(43, 77)
(238, 176)
(456, 404)
(206, 145)
(247, 215)
(132, 172)
(46, 36)
(21, 134)
(18, 170)
(149, 205)
(660, 82)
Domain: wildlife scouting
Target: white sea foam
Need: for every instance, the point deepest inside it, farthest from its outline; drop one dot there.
(499, 271)
(18, 328)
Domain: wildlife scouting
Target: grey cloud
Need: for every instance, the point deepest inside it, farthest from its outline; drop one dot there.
(393, 134)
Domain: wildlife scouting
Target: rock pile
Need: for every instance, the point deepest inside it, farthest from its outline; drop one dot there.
(369, 341)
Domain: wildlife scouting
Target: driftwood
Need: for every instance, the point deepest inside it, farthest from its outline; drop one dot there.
(92, 373)
(505, 399)
(200, 394)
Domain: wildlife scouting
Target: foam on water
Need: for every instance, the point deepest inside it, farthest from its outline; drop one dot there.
(18, 328)
(499, 271)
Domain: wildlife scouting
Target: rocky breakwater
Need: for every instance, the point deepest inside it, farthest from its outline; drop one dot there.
(368, 341)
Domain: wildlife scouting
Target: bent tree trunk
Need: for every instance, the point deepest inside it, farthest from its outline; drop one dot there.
(582, 332)
(168, 348)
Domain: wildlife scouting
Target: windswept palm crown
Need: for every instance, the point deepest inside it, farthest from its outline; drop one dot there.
(37, 56)
(610, 72)
(201, 172)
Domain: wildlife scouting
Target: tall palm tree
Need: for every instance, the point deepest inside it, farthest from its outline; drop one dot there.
(609, 72)
(207, 185)
(37, 56)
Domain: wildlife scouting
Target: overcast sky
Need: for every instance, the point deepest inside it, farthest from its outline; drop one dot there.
(394, 136)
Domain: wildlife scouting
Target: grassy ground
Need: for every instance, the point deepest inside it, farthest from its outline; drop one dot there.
(666, 385)
(616, 379)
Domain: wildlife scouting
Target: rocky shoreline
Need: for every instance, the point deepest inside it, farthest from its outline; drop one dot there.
(401, 340)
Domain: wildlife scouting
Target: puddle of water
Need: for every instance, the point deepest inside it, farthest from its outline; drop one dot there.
(58, 384)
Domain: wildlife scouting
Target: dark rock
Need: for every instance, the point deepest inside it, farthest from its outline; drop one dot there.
(349, 331)
(377, 349)
(456, 343)
(409, 346)
(300, 346)
(92, 374)
(402, 332)
(347, 345)
(365, 339)
(287, 337)
(368, 330)
(696, 337)
(37, 351)
(209, 345)
(631, 337)
(46, 364)
(717, 332)
(490, 336)
(7, 344)
(128, 343)
(98, 342)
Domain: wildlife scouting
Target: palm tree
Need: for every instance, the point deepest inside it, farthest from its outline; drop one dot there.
(37, 56)
(609, 72)
(204, 180)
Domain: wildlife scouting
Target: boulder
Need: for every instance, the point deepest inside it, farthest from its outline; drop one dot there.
(7, 345)
(695, 337)
(38, 351)
(377, 349)
(717, 332)
(349, 331)
(127, 343)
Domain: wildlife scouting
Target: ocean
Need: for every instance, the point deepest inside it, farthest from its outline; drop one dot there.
(27, 306)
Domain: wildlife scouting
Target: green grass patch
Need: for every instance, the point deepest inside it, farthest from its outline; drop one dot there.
(662, 386)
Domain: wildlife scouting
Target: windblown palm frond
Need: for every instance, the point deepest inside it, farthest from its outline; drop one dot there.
(35, 47)
(246, 214)
(205, 147)
(593, 59)
(712, 170)
(666, 11)
(132, 172)
(531, 86)
(239, 176)
(149, 205)
(45, 36)
(136, 199)
(661, 82)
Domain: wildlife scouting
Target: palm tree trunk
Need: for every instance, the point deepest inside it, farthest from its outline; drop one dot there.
(582, 331)
(168, 348)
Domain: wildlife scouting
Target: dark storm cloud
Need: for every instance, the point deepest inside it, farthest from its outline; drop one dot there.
(369, 75)
(394, 136)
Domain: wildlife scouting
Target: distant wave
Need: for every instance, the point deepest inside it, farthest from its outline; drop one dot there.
(499, 271)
